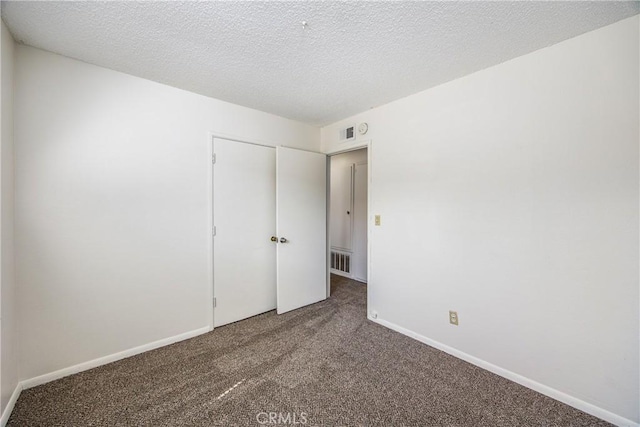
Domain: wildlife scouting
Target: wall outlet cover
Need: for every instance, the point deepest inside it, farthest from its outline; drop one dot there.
(453, 317)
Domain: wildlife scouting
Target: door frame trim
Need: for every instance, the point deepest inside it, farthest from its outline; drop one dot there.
(353, 219)
(368, 144)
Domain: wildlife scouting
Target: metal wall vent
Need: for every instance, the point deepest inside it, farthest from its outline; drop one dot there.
(341, 261)
(348, 134)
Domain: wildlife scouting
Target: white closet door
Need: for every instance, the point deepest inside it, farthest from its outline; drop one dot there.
(360, 223)
(244, 189)
(301, 224)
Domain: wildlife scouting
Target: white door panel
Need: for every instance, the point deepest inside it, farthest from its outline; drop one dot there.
(244, 185)
(360, 221)
(301, 189)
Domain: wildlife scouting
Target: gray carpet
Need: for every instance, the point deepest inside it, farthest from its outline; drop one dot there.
(325, 365)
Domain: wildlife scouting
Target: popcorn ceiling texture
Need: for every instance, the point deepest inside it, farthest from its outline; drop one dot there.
(352, 55)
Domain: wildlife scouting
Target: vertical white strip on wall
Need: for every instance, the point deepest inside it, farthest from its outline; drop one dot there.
(360, 223)
(8, 290)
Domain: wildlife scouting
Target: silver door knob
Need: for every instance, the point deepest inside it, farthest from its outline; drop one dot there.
(283, 240)
(274, 239)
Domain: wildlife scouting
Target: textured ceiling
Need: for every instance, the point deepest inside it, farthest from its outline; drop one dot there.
(352, 55)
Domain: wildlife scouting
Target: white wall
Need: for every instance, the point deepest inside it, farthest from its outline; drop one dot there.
(340, 222)
(112, 206)
(8, 297)
(513, 195)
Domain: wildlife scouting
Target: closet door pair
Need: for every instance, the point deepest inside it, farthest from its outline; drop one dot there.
(269, 217)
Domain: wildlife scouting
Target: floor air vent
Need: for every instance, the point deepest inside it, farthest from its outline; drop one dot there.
(341, 261)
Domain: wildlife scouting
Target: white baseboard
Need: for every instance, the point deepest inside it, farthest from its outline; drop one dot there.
(340, 273)
(10, 404)
(52, 376)
(529, 383)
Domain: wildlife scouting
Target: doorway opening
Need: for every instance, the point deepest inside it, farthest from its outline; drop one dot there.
(348, 215)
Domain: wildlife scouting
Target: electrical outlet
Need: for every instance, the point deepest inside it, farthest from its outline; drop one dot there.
(377, 219)
(453, 317)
